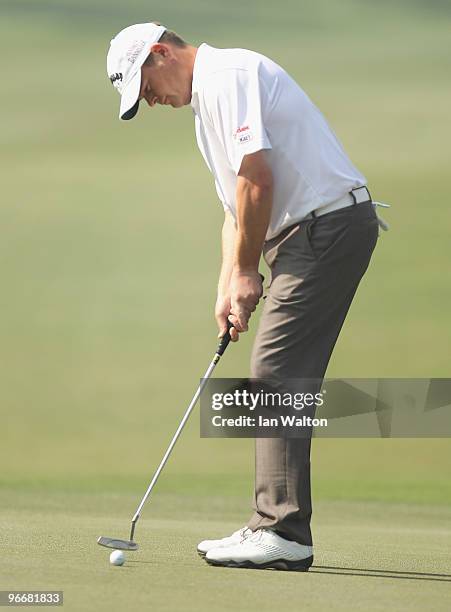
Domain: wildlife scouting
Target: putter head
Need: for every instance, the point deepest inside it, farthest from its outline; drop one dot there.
(117, 544)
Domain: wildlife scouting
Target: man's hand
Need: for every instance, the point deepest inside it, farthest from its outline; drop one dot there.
(246, 290)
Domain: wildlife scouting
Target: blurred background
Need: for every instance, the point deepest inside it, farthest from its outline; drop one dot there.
(110, 245)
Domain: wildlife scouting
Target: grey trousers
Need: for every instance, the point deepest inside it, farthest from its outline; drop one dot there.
(315, 267)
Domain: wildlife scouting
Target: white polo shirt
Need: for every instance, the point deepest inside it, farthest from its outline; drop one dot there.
(244, 102)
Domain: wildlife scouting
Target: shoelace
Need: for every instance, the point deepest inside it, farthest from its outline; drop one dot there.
(382, 224)
(244, 535)
(255, 536)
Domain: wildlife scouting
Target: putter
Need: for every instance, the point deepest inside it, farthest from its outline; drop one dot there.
(130, 544)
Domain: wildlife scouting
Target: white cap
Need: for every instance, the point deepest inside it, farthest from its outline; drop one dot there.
(128, 52)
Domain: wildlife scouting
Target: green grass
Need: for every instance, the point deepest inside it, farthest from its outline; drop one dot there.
(371, 556)
(109, 255)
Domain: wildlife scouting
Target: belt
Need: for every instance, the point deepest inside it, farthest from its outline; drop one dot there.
(356, 196)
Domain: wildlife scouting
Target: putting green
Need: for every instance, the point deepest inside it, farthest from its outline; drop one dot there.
(370, 556)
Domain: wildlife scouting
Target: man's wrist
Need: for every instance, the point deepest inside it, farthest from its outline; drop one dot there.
(245, 270)
(223, 294)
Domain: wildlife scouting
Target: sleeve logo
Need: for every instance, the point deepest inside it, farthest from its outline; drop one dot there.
(242, 134)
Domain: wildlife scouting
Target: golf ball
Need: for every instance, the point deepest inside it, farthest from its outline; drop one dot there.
(117, 557)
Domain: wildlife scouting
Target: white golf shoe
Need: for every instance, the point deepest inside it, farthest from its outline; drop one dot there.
(263, 549)
(236, 537)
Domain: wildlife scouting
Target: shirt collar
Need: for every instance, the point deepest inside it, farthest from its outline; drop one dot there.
(200, 63)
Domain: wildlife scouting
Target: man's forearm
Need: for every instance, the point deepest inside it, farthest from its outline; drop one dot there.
(240, 285)
(254, 205)
(228, 250)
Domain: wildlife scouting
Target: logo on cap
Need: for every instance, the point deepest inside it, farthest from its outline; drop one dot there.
(134, 51)
(117, 76)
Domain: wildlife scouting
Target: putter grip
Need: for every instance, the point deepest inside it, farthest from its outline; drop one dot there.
(224, 340)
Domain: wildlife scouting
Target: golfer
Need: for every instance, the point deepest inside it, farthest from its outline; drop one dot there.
(289, 193)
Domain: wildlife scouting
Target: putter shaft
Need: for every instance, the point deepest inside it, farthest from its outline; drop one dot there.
(221, 348)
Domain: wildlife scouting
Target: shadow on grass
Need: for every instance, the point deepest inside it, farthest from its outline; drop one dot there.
(355, 571)
(378, 573)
